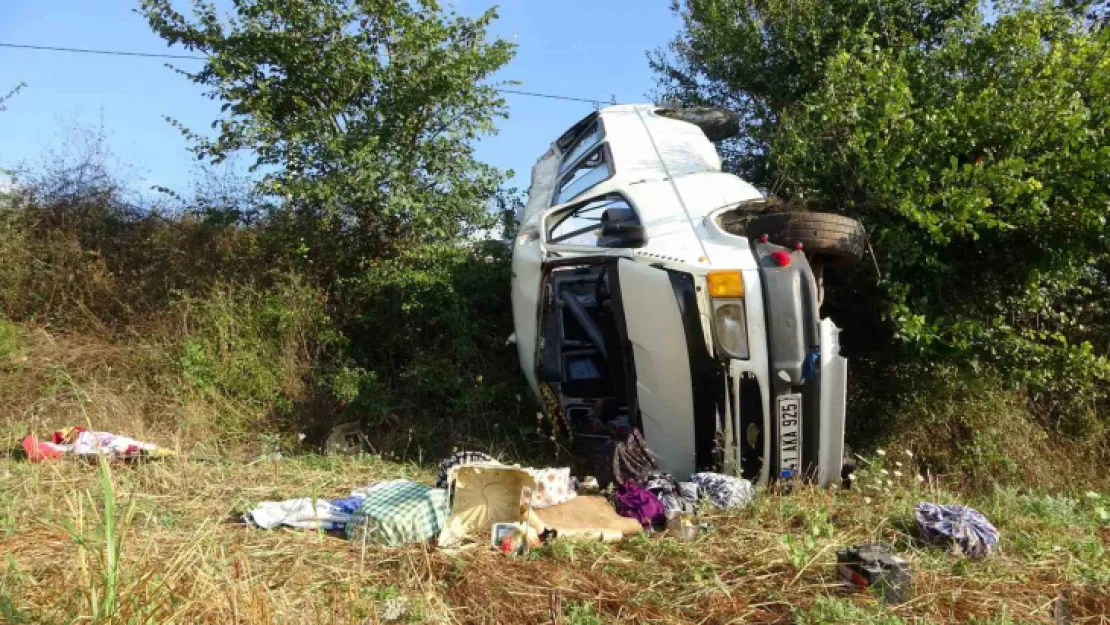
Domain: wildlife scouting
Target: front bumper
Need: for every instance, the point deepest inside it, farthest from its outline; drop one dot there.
(751, 399)
(794, 352)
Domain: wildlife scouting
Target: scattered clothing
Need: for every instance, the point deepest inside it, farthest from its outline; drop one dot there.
(348, 505)
(398, 513)
(676, 497)
(307, 513)
(553, 487)
(587, 517)
(689, 491)
(459, 459)
(632, 460)
(304, 513)
(364, 492)
(78, 441)
(964, 527)
(724, 491)
(634, 501)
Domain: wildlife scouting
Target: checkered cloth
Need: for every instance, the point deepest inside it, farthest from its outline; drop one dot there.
(399, 513)
(965, 527)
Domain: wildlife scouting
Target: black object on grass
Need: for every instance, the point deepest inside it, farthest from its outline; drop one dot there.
(875, 566)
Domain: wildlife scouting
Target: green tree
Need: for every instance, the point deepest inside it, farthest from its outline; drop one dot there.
(971, 140)
(361, 116)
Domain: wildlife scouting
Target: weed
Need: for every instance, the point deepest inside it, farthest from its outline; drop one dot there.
(581, 613)
(569, 550)
(8, 610)
(111, 546)
(833, 610)
(995, 619)
(813, 541)
(11, 339)
(9, 514)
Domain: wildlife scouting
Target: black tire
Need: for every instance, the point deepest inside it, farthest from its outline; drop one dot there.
(717, 124)
(821, 234)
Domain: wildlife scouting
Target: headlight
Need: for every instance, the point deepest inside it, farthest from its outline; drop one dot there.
(730, 327)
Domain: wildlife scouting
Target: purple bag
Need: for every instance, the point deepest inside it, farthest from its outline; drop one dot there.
(634, 501)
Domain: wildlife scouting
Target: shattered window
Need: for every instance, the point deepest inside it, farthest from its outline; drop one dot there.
(581, 225)
(582, 144)
(588, 172)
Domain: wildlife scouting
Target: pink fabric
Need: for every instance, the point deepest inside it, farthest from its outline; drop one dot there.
(81, 442)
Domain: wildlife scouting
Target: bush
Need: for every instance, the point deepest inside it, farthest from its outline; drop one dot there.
(411, 347)
(79, 250)
(258, 347)
(971, 142)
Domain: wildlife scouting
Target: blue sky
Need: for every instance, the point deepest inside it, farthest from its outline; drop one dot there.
(591, 49)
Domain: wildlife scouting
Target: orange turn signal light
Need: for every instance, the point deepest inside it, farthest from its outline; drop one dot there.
(725, 284)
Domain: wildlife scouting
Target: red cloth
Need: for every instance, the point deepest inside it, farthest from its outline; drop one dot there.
(59, 437)
(38, 451)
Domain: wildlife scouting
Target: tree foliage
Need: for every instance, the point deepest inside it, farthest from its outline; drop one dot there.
(971, 140)
(361, 115)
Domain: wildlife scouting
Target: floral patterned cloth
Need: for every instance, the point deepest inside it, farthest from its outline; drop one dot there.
(553, 487)
(78, 441)
(965, 527)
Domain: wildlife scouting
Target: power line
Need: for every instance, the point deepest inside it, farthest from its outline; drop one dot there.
(156, 55)
(554, 97)
(110, 52)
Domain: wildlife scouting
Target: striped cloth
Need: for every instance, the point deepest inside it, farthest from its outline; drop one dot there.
(964, 527)
(461, 458)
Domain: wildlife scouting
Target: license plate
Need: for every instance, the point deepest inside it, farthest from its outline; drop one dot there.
(790, 442)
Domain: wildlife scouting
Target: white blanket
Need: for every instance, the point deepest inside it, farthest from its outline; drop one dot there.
(303, 512)
(307, 513)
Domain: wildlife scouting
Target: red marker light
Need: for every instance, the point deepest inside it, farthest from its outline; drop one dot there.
(763, 238)
(781, 257)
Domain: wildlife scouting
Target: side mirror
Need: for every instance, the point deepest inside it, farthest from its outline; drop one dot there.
(621, 228)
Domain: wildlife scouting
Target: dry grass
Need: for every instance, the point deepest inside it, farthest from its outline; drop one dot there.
(51, 379)
(183, 559)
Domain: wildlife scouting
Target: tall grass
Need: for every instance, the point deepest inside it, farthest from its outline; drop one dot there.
(104, 541)
(98, 547)
(258, 336)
